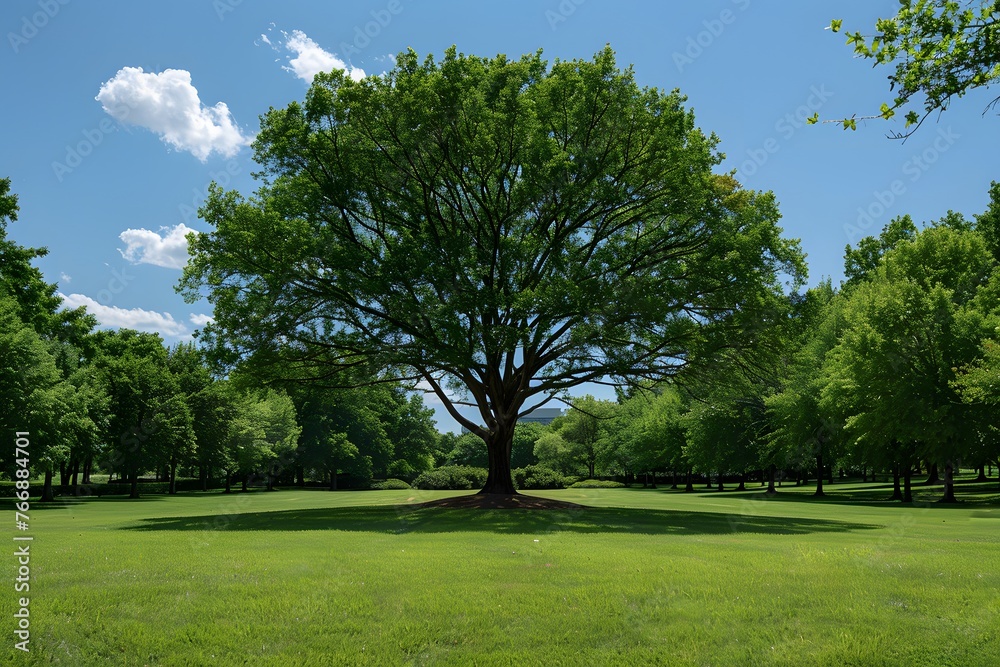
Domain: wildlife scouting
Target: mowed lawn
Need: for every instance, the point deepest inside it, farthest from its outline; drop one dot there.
(642, 577)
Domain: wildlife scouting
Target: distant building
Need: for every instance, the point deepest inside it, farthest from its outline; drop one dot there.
(543, 416)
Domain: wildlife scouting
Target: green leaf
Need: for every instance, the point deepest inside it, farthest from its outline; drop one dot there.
(813, 119)
(835, 24)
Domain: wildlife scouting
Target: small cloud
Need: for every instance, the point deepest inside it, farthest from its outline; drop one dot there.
(65, 278)
(311, 59)
(200, 320)
(167, 104)
(143, 246)
(127, 318)
(265, 39)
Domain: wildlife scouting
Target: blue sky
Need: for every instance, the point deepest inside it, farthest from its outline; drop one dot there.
(109, 161)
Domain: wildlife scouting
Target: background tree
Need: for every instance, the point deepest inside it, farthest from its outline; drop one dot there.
(35, 396)
(502, 228)
(584, 428)
(148, 421)
(941, 49)
(907, 330)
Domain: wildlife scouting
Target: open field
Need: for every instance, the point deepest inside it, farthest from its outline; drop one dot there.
(642, 577)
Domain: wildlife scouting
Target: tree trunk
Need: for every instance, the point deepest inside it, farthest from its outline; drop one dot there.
(172, 486)
(654, 479)
(229, 479)
(88, 467)
(498, 447)
(897, 494)
(47, 495)
(75, 476)
(770, 483)
(932, 474)
(134, 489)
(300, 476)
(743, 482)
(982, 473)
(721, 487)
(819, 476)
(949, 484)
(864, 473)
(63, 475)
(270, 478)
(907, 487)
(590, 469)
(333, 479)
(244, 481)
(689, 486)
(674, 485)
(203, 477)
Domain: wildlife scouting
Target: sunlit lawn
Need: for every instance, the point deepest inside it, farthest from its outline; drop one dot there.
(643, 577)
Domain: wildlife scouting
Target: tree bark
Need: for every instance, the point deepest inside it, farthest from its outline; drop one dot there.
(864, 473)
(300, 476)
(229, 480)
(907, 486)
(203, 477)
(982, 473)
(932, 474)
(75, 476)
(949, 484)
(897, 493)
(134, 489)
(47, 495)
(721, 487)
(689, 486)
(770, 482)
(172, 483)
(819, 476)
(333, 479)
(743, 482)
(674, 485)
(246, 477)
(88, 467)
(498, 447)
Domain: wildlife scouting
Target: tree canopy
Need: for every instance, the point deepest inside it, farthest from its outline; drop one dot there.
(501, 229)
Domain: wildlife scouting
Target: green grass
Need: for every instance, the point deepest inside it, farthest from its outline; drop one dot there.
(644, 577)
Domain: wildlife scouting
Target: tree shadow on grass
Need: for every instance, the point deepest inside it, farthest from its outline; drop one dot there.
(404, 519)
(969, 495)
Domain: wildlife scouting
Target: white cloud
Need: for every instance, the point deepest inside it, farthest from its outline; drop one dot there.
(310, 59)
(167, 104)
(143, 246)
(65, 278)
(265, 39)
(129, 318)
(200, 320)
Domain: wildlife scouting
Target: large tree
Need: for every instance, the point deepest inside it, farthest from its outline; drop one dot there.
(497, 230)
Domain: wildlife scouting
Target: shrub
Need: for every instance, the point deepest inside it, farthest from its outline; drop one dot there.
(390, 484)
(596, 484)
(452, 477)
(538, 477)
